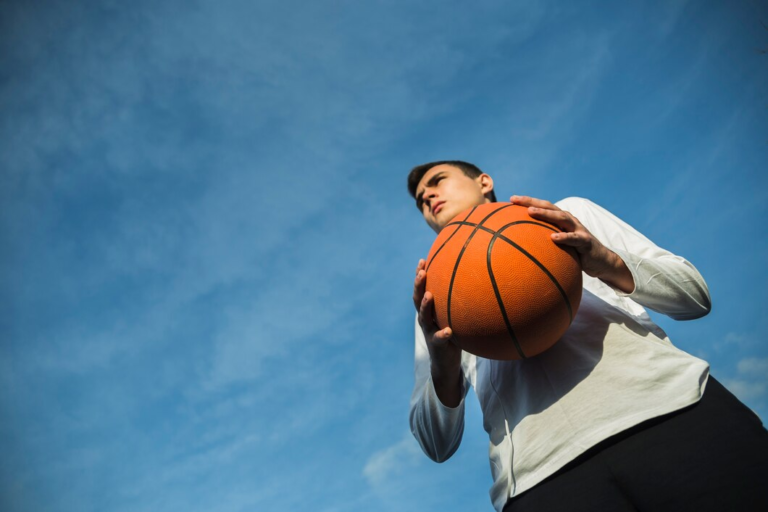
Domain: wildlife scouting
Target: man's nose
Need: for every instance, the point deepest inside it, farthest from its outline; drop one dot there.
(428, 196)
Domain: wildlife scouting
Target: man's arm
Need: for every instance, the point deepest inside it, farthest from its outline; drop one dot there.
(437, 402)
(665, 282)
(444, 355)
(616, 253)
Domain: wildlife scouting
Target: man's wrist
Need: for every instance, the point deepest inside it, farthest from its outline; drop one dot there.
(448, 384)
(447, 377)
(445, 372)
(445, 360)
(617, 275)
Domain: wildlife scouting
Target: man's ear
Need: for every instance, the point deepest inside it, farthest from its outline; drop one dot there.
(486, 184)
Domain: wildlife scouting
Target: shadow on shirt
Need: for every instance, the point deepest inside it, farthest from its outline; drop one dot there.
(510, 391)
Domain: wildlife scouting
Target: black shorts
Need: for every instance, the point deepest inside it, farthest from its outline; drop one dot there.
(710, 456)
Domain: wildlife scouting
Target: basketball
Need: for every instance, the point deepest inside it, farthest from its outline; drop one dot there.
(505, 289)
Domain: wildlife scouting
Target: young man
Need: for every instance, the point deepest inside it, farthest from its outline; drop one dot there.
(613, 417)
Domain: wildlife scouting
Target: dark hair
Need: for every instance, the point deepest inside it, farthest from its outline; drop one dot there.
(419, 171)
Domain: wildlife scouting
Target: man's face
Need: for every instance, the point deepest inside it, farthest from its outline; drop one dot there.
(445, 191)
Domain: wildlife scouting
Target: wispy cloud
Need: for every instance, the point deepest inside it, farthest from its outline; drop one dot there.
(681, 194)
(391, 461)
(750, 384)
(735, 342)
(572, 86)
(753, 367)
(747, 390)
(205, 223)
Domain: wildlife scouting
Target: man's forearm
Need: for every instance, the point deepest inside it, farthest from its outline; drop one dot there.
(447, 378)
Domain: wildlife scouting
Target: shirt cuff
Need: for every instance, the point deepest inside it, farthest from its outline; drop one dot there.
(640, 275)
(643, 274)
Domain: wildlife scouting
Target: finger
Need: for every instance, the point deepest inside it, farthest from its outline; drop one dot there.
(426, 311)
(574, 239)
(443, 335)
(421, 266)
(559, 218)
(532, 201)
(419, 286)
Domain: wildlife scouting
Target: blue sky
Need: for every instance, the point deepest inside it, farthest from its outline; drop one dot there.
(208, 247)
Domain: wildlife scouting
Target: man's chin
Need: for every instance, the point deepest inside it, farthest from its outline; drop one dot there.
(436, 226)
(441, 222)
(445, 216)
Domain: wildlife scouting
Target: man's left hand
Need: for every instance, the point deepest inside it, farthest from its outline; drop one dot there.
(596, 259)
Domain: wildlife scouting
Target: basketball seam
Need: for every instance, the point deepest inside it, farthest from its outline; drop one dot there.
(472, 224)
(446, 240)
(538, 264)
(461, 254)
(497, 233)
(500, 302)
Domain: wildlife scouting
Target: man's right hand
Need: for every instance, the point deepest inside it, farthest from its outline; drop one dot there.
(444, 354)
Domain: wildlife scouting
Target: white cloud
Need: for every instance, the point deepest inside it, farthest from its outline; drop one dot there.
(271, 327)
(746, 390)
(736, 339)
(223, 146)
(754, 367)
(391, 461)
(282, 108)
(751, 383)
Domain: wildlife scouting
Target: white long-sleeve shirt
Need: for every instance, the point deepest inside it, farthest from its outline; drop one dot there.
(613, 369)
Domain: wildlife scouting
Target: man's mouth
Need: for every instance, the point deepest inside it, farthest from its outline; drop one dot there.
(438, 206)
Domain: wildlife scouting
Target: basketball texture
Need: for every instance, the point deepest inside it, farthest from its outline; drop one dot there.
(505, 289)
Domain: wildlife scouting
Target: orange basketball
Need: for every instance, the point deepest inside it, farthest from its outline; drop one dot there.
(505, 289)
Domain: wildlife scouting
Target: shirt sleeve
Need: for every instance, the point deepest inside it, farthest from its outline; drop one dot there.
(437, 428)
(664, 282)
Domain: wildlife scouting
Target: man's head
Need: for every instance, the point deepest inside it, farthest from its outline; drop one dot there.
(446, 188)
